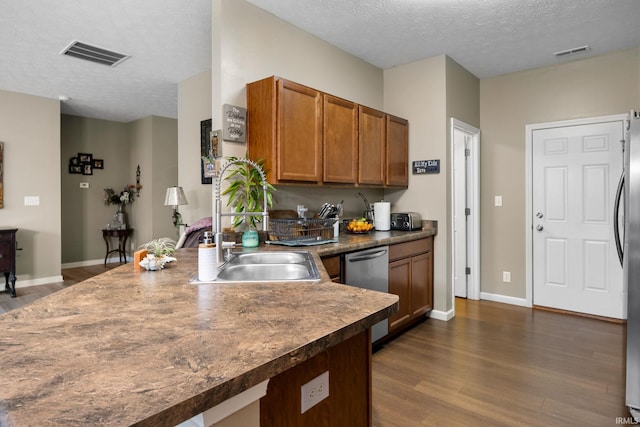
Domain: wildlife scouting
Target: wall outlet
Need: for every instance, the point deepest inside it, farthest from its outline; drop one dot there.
(84, 185)
(314, 392)
(498, 201)
(32, 200)
(506, 276)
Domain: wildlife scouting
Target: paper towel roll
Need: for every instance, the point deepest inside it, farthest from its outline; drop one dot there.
(382, 216)
(207, 262)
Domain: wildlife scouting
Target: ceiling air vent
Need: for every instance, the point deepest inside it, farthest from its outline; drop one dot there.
(572, 51)
(94, 54)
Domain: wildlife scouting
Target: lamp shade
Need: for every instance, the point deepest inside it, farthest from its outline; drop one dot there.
(175, 197)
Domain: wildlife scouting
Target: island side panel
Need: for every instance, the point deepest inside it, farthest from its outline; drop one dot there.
(349, 401)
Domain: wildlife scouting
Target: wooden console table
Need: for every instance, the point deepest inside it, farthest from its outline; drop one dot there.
(122, 236)
(8, 259)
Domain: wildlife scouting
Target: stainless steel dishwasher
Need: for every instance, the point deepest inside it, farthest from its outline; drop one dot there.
(369, 269)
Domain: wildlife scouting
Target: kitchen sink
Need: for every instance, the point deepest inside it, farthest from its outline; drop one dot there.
(269, 266)
(291, 257)
(264, 272)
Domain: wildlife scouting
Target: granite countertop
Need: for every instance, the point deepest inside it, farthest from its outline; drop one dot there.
(136, 347)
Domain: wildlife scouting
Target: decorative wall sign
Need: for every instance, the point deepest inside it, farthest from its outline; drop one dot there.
(234, 123)
(421, 167)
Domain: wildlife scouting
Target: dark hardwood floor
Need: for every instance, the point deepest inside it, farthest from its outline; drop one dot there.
(501, 365)
(492, 365)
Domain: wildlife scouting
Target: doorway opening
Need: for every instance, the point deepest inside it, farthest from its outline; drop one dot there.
(465, 210)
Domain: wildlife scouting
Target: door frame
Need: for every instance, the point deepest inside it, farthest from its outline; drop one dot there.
(473, 237)
(529, 129)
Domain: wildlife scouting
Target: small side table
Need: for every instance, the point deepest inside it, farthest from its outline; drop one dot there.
(8, 259)
(122, 236)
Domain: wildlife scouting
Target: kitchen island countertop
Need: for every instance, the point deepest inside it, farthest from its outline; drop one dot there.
(135, 347)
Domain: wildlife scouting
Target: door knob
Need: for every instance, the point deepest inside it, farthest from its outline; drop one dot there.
(539, 215)
(539, 227)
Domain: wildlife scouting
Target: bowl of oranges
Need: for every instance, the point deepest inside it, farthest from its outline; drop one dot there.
(359, 226)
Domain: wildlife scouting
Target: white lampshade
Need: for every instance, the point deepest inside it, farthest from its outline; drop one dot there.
(175, 197)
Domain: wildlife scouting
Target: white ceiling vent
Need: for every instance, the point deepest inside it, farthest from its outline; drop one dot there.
(94, 54)
(572, 51)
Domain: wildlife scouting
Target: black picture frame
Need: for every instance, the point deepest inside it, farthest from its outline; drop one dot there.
(85, 158)
(98, 164)
(74, 161)
(205, 141)
(75, 169)
(87, 169)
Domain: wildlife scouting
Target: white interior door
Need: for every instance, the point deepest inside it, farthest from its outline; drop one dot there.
(575, 173)
(465, 210)
(460, 232)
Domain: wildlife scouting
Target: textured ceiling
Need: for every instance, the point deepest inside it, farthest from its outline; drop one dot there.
(487, 37)
(170, 41)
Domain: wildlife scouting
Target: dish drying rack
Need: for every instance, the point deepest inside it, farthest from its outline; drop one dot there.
(301, 231)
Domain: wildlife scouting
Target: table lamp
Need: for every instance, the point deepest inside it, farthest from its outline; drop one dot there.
(175, 197)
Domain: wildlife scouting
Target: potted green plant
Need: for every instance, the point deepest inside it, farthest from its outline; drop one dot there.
(163, 246)
(245, 193)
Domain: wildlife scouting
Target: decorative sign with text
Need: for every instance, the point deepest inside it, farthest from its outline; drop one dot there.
(234, 123)
(421, 167)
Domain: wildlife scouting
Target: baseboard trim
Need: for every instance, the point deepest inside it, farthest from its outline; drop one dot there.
(442, 315)
(37, 282)
(504, 299)
(90, 262)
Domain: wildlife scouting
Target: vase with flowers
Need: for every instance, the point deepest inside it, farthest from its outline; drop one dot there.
(122, 199)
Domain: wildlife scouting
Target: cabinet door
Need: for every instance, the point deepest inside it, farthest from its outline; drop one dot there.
(397, 152)
(340, 140)
(371, 146)
(333, 265)
(299, 124)
(421, 284)
(400, 284)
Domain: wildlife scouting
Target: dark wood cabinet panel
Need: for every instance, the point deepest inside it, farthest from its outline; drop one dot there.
(8, 247)
(397, 152)
(400, 284)
(371, 146)
(349, 401)
(333, 265)
(340, 140)
(421, 284)
(411, 278)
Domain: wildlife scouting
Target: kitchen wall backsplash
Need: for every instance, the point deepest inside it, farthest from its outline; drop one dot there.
(288, 197)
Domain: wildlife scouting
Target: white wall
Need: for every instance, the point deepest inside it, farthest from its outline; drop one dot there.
(30, 130)
(417, 92)
(194, 106)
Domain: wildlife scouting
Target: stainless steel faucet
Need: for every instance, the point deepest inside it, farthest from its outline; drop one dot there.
(218, 206)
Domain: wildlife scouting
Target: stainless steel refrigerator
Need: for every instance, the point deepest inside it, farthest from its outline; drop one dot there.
(629, 251)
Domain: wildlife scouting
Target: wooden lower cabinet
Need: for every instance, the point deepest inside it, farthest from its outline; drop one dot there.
(411, 278)
(349, 401)
(333, 265)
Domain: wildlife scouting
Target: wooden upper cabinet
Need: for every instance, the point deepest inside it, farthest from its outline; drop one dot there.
(371, 146)
(284, 127)
(299, 122)
(309, 137)
(397, 151)
(340, 140)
